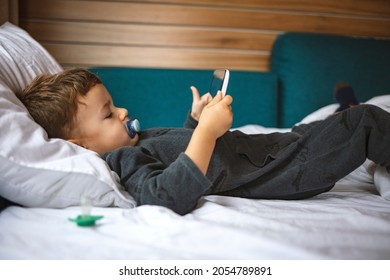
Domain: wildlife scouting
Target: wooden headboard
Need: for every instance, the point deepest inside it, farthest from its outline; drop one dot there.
(196, 34)
(9, 11)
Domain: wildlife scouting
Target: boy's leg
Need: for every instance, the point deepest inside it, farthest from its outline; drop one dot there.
(324, 154)
(303, 128)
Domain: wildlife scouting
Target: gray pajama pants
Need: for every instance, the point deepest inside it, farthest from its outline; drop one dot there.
(326, 152)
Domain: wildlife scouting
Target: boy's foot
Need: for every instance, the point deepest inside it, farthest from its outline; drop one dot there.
(345, 96)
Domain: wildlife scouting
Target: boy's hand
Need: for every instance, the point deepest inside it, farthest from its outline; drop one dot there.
(217, 116)
(215, 119)
(198, 102)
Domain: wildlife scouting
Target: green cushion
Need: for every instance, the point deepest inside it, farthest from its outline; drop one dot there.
(309, 66)
(162, 97)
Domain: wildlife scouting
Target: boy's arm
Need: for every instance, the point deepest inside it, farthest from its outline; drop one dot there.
(150, 182)
(190, 122)
(215, 120)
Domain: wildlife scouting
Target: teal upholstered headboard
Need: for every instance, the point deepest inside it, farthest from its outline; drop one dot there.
(304, 71)
(162, 97)
(309, 65)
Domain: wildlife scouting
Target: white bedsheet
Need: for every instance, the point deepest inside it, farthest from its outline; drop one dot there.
(345, 223)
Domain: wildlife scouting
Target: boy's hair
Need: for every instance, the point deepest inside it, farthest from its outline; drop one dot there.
(52, 99)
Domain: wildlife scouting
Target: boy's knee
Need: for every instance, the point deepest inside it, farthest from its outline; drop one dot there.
(368, 110)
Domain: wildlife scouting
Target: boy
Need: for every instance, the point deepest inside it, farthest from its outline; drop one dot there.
(174, 167)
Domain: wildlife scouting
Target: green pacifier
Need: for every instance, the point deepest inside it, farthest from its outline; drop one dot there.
(85, 219)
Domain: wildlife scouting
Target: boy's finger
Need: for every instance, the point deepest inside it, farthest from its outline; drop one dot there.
(195, 93)
(228, 99)
(216, 98)
(207, 98)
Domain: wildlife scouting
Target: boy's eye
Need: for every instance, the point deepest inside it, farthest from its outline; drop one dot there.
(109, 115)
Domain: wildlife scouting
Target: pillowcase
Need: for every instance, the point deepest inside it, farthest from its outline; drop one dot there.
(36, 171)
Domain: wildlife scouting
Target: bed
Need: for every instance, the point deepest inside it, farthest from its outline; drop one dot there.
(44, 179)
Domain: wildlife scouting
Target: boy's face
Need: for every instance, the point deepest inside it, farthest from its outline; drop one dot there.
(99, 124)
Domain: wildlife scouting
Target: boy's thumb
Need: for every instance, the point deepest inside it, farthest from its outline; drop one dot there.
(216, 98)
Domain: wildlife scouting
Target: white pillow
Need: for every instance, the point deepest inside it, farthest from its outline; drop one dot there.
(382, 101)
(36, 171)
(381, 176)
(22, 58)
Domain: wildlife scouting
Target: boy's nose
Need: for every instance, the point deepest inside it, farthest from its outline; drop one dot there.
(123, 113)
